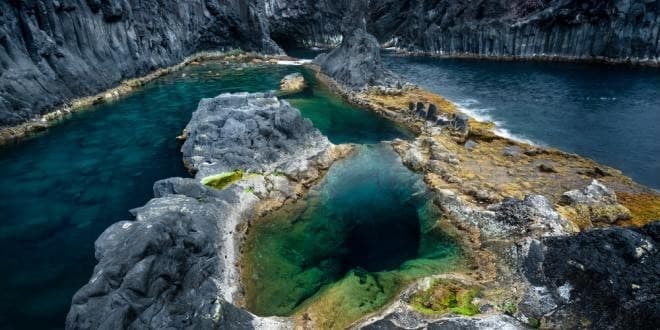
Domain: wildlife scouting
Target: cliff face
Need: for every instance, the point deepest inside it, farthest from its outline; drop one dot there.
(53, 51)
(621, 30)
(304, 23)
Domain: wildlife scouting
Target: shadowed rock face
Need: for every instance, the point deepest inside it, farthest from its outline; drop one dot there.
(621, 29)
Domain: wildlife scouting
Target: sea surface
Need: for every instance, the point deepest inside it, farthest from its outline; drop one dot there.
(61, 189)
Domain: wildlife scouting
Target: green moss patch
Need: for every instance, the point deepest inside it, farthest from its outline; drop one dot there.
(446, 296)
(222, 180)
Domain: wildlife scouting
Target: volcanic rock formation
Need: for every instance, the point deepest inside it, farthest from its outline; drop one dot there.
(618, 30)
(175, 264)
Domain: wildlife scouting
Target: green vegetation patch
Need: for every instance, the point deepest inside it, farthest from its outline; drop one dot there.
(222, 180)
(446, 296)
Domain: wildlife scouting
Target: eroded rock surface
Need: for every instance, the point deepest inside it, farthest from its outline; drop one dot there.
(254, 133)
(175, 264)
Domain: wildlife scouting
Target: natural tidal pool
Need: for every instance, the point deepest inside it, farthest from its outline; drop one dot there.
(61, 189)
(350, 245)
(610, 113)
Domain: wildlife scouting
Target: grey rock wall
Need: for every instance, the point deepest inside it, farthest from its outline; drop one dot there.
(55, 51)
(618, 30)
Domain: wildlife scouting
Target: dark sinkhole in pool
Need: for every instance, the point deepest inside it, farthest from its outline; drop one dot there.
(61, 189)
(369, 217)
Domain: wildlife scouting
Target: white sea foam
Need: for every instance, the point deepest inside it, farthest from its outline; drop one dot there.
(296, 62)
(472, 109)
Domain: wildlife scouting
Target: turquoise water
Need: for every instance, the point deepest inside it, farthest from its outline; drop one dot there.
(60, 190)
(605, 112)
(370, 215)
(610, 113)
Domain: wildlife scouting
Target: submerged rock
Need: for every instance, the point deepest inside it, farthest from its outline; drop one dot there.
(293, 83)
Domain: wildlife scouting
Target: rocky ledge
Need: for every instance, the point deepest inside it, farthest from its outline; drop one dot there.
(540, 226)
(175, 264)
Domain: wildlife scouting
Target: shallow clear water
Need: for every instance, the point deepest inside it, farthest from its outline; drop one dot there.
(60, 190)
(370, 216)
(608, 113)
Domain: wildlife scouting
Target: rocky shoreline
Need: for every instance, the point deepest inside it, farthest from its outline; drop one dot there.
(176, 264)
(14, 134)
(508, 221)
(535, 221)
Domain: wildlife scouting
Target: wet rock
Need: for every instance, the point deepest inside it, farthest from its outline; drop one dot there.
(421, 110)
(293, 83)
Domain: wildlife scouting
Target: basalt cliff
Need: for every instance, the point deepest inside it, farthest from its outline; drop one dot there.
(555, 240)
(53, 52)
(611, 30)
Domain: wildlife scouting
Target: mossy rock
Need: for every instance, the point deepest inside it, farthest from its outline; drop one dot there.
(222, 180)
(446, 296)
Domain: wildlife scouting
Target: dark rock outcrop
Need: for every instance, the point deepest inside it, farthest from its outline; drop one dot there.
(303, 23)
(162, 270)
(174, 266)
(356, 63)
(618, 30)
(607, 276)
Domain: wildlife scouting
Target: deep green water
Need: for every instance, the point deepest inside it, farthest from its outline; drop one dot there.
(60, 190)
(369, 217)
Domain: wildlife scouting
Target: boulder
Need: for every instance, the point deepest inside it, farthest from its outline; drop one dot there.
(595, 204)
(293, 83)
(250, 132)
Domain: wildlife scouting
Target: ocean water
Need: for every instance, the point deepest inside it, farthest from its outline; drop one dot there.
(608, 113)
(363, 232)
(61, 189)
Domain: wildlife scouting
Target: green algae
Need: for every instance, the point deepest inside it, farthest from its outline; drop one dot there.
(222, 180)
(446, 296)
